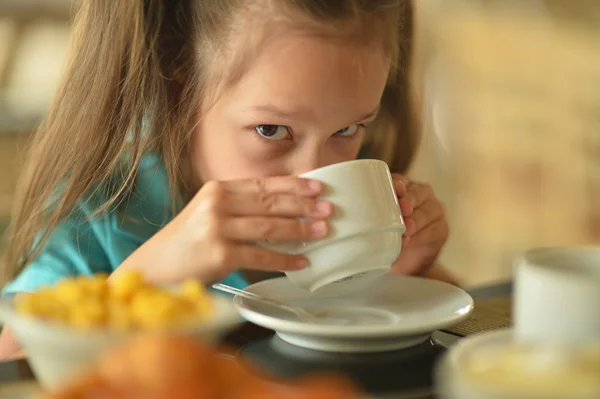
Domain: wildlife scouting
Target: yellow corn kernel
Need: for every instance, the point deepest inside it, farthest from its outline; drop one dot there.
(167, 310)
(94, 285)
(40, 306)
(26, 303)
(69, 291)
(126, 285)
(158, 309)
(88, 314)
(192, 290)
(81, 320)
(195, 292)
(83, 303)
(48, 292)
(204, 307)
(119, 317)
(141, 307)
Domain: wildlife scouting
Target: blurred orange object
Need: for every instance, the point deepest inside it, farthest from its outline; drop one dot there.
(180, 368)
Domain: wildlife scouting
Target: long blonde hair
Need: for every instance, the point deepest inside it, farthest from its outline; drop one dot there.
(133, 86)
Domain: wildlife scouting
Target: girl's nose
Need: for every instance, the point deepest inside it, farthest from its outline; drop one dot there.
(306, 167)
(305, 162)
(312, 156)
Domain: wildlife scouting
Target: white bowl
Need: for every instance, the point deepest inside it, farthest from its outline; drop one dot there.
(479, 352)
(450, 382)
(57, 353)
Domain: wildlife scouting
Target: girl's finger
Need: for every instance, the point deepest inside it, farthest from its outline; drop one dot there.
(405, 241)
(273, 229)
(406, 207)
(249, 257)
(418, 193)
(436, 231)
(400, 183)
(277, 184)
(274, 204)
(425, 214)
(401, 178)
(411, 228)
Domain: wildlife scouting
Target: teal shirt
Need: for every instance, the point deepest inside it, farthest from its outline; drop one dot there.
(84, 246)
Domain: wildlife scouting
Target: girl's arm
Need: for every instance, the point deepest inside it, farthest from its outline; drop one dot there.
(9, 347)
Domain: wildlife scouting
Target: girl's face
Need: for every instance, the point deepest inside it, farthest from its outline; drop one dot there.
(301, 103)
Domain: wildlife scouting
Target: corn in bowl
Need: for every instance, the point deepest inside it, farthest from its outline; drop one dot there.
(124, 303)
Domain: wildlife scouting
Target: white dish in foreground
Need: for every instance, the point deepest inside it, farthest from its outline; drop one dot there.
(57, 352)
(20, 390)
(494, 365)
(394, 313)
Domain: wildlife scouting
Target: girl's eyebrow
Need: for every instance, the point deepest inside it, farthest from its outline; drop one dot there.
(371, 114)
(288, 114)
(279, 112)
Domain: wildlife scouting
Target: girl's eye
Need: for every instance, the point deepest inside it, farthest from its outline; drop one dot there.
(348, 131)
(273, 132)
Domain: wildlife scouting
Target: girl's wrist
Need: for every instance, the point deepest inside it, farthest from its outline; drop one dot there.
(148, 260)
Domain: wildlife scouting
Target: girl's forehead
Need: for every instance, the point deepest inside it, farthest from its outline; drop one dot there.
(299, 76)
(285, 55)
(293, 56)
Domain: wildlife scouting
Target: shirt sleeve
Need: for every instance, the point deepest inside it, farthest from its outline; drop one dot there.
(72, 249)
(236, 280)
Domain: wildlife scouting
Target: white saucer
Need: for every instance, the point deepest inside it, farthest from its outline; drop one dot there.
(394, 313)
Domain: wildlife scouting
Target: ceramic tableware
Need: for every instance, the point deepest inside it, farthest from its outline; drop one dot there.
(394, 313)
(366, 229)
(57, 352)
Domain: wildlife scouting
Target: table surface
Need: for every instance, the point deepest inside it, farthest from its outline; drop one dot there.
(404, 374)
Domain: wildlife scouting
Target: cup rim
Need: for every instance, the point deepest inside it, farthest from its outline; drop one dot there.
(342, 165)
(533, 258)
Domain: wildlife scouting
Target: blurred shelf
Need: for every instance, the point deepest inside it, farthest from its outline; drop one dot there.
(13, 125)
(36, 8)
(17, 123)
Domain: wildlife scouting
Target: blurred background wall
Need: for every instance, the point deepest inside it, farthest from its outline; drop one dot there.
(511, 113)
(503, 193)
(33, 46)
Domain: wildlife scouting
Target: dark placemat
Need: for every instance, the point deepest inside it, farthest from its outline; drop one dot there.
(488, 315)
(405, 373)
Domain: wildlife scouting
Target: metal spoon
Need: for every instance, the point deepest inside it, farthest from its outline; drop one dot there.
(298, 312)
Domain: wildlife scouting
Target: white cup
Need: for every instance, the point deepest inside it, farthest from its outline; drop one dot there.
(557, 296)
(366, 229)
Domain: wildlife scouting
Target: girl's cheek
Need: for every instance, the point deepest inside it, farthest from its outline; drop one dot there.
(257, 149)
(346, 149)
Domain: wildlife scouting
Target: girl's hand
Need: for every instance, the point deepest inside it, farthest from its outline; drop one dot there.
(214, 234)
(426, 226)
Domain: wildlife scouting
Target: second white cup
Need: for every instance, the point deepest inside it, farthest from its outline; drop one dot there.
(557, 296)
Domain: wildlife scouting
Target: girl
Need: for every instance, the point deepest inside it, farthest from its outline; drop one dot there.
(175, 138)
